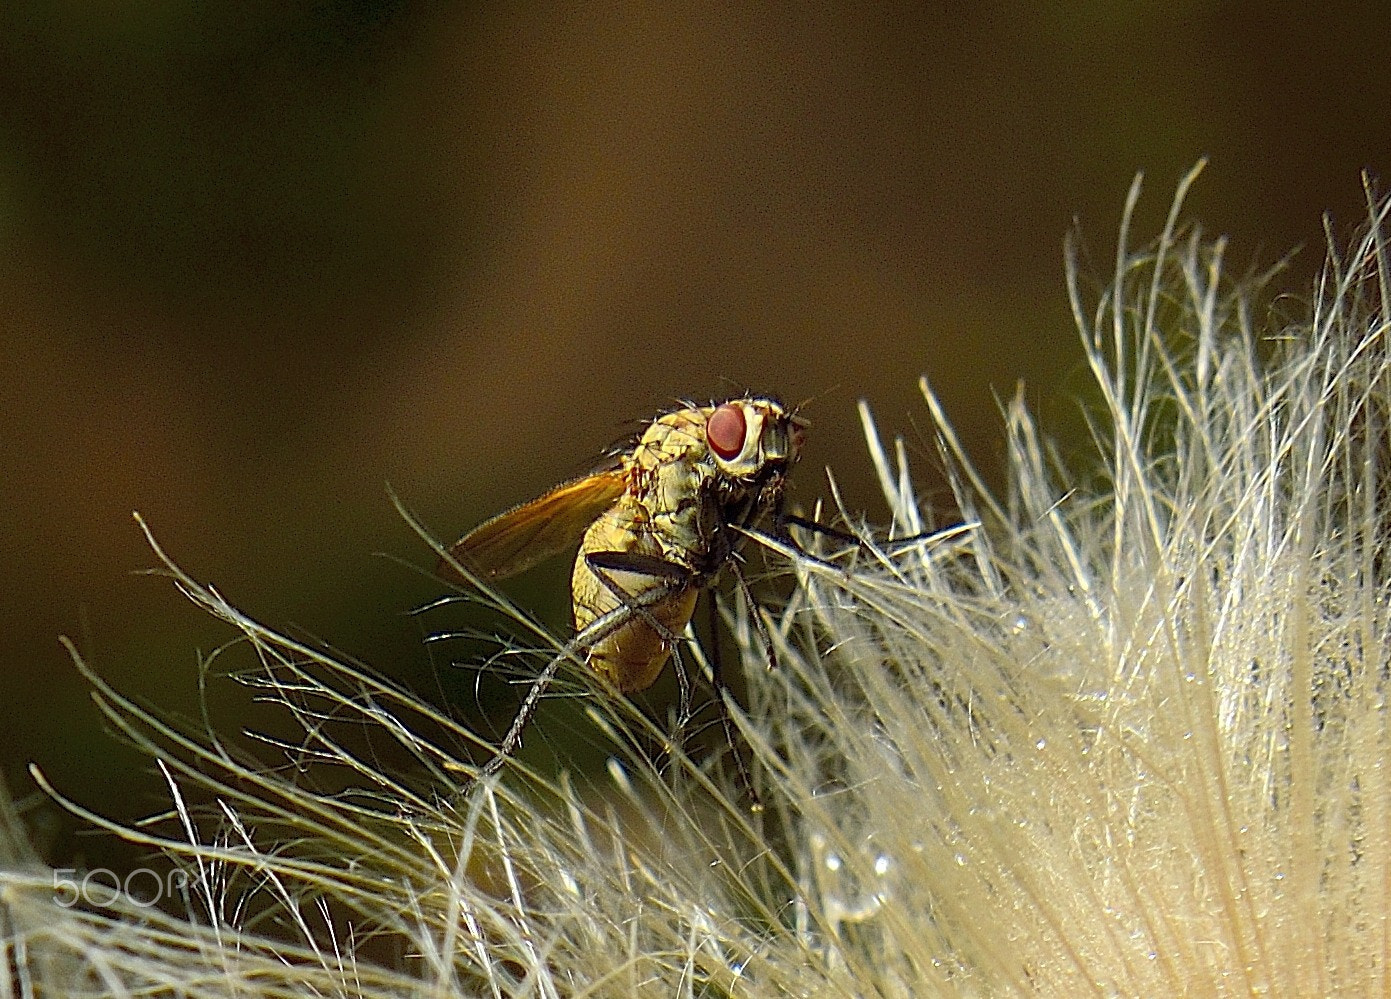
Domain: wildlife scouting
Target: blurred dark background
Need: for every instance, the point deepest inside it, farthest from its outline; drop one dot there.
(262, 259)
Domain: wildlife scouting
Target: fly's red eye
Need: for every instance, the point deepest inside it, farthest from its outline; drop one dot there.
(724, 431)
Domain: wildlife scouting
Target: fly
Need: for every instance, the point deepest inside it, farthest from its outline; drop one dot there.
(654, 530)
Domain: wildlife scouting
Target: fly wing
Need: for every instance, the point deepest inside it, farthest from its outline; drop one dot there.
(519, 538)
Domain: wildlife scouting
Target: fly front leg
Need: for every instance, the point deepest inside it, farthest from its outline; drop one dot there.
(892, 547)
(784, 520)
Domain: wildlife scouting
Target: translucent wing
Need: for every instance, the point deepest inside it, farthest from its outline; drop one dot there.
(519, 538)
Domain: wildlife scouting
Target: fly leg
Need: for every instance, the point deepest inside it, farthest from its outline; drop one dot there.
(676, 577)
(672, 578)
(765, 640)
(721, 708)
(679, 577)
(513, 739)
(894, 547)
(815, 526)
(597, 631)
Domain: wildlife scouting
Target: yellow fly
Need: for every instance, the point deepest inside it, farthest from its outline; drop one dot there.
(653, 530)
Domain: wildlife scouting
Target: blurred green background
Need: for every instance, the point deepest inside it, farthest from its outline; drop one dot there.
(262, 259)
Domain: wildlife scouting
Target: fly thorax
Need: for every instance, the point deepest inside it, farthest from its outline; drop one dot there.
(665, 474)
(682, 517)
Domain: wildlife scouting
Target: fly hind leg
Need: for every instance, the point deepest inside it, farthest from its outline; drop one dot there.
(679, 577)
(574, 651)
(672, 578)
